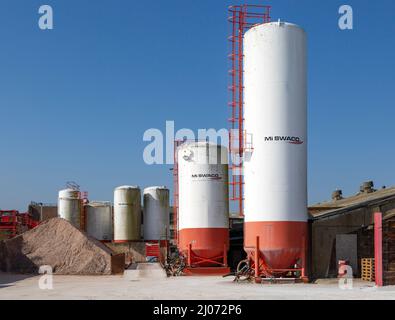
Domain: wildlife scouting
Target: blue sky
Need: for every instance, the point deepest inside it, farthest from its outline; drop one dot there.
(75, 101)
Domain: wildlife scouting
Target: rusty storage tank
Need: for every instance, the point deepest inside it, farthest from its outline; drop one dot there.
(203, 213)
(127, 214)
(99, 220)
(70, 206)
(156, 213)
(275, 113)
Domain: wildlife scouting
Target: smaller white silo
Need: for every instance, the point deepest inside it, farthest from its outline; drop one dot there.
(156, 213)
(99, 220)
(127, 214)
(69, 206)
(203, 208)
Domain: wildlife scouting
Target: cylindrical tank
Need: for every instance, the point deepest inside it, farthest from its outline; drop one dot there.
(203, 213)
(275, 113)
(70, 206)
(99, 220)
(156, 213)
(127, 213)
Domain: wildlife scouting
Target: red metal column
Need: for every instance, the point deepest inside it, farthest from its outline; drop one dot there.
(256, 257)
(378, 248)
(225, 257)
(189, 254)
(303, 258)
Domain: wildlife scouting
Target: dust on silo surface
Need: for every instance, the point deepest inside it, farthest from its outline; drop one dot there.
(57, 243)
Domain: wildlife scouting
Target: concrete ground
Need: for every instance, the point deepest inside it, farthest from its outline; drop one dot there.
(149, 282)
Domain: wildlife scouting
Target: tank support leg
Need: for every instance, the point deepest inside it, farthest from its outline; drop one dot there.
(225, 256)
(304, 276)
(190, 254)
(257, 257)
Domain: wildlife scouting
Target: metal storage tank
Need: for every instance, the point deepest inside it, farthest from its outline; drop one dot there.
(127, 213)
(275, 171)
(70, 206)
(203, 213)
(156, 213)
(99, 220)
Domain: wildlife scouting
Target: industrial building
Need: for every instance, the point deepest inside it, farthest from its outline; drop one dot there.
(342, 229)
(42, 211)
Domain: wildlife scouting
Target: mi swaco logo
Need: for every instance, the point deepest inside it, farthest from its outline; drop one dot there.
(208, 176)
(288, 139)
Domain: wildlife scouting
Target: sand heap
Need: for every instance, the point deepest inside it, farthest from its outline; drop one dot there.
(57, 243)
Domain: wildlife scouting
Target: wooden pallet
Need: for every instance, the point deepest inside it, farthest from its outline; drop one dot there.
(367, 266)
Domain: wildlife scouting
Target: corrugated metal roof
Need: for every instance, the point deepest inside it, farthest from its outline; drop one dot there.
(358, 200)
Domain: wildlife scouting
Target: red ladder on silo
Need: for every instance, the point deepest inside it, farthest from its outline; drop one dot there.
(177, 143)
(241, 17)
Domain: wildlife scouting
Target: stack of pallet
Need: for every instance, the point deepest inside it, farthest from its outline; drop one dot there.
(367, 265)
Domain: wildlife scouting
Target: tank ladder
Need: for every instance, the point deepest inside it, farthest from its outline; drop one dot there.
(241, 18)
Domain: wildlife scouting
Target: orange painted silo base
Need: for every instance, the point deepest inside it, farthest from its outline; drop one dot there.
(204, 247)
(281, 244)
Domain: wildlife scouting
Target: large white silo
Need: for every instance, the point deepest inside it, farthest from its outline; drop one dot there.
(99, 220)
(70, 206)
(156, 213)
(127, 213)
(203, 213)
(275, 114)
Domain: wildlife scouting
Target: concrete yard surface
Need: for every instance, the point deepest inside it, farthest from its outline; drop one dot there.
(143, 286)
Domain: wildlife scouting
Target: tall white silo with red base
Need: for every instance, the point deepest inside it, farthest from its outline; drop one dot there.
(269, 109)
(275, 172)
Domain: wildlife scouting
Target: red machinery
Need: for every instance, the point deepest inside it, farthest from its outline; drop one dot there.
(27, 221)
(13, 223)
(156, 250)
(9, 223)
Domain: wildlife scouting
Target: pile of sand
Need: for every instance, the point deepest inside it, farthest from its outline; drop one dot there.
(57, 243)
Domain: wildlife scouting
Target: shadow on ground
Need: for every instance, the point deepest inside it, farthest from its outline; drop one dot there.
(10, 279)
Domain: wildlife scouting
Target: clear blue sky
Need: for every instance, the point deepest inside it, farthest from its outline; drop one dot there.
(75, 101)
